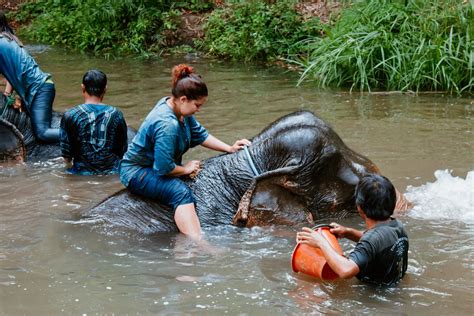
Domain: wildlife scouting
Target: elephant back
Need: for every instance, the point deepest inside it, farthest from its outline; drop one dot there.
(124, 209)
(292, 121)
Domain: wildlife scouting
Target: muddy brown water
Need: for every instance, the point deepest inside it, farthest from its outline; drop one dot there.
(51, 262)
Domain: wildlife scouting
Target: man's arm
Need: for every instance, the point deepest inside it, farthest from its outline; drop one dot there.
(344, 268)
(67, 162)
(346, 232)
(64, 142)
(120, 145)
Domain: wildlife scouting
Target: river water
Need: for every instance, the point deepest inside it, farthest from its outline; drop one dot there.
(52, 263)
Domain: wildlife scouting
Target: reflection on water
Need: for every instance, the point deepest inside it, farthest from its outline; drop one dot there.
(53, 262)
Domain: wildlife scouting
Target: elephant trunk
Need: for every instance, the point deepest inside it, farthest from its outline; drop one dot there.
(219, 187)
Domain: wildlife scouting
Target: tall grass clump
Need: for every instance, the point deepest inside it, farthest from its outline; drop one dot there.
(395, 45)
(256, 30)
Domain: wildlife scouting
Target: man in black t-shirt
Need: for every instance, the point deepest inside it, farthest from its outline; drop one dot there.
(381, 254)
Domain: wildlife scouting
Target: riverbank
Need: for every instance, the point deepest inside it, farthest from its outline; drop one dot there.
(362, 45)
(142, 29)
(10, 5)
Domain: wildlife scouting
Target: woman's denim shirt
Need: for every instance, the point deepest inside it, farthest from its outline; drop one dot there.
(21, 70)
(161, 142)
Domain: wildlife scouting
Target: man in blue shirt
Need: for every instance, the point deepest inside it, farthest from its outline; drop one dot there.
(35, 88)
(380, 256)
(93, 136)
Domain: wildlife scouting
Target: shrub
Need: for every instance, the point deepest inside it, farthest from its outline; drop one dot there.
(256, 30)
(103, 26)
(395, 45)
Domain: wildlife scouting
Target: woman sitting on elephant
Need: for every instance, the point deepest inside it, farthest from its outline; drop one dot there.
(152, 165)
(35, 88)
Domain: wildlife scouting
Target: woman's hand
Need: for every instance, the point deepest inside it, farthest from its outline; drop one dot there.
(310, 237)
(17, 105)
(213, 143)
(8, 89)
(191, 166)
(239, 144)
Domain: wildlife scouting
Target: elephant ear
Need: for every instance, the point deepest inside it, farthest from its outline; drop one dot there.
(12, 145)
(271, 200)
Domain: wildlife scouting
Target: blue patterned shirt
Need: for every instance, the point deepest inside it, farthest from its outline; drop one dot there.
(95, 137)
(161, 142)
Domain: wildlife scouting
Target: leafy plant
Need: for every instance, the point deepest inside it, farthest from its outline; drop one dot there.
(100, 26)
(395, 45)
(256, 30)
(195, 5)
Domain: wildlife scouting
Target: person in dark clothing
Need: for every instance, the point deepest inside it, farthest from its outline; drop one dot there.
(380, 256)
(33, 86)
(93, 135)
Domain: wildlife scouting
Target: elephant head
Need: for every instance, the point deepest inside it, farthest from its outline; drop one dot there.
(306, 173)
(297, 170)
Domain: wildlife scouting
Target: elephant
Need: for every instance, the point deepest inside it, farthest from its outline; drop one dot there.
(17, 142)
(297, 170)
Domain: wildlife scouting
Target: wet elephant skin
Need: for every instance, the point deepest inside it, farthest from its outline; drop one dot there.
(305, 174)
(21, 130)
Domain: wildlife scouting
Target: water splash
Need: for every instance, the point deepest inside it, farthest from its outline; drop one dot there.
(449, 197)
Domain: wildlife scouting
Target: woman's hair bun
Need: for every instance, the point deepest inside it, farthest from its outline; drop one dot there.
(179, 72)
(187, 83)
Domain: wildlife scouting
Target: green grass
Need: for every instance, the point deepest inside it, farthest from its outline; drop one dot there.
(373, 45)
(390, 45)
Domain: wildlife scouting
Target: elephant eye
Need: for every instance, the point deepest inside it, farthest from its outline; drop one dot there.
(293, 162)
(358, 167)
(348, 176)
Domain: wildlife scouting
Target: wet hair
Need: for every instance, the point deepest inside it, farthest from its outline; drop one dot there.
(186, 83)
(376, 196)
(94, 82)
(4, 26)
(7, 31)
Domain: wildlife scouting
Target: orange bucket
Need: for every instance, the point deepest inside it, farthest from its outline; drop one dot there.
(310, 260)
